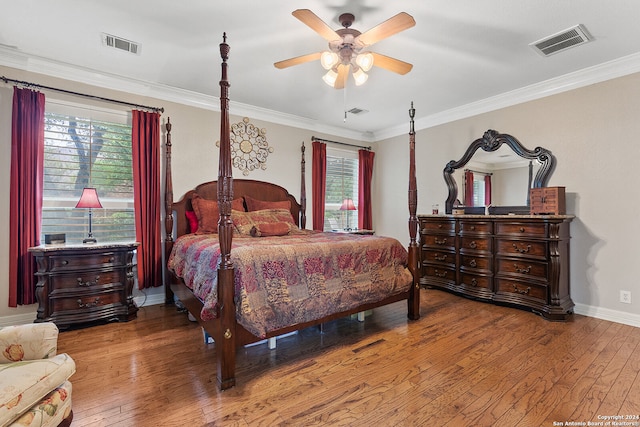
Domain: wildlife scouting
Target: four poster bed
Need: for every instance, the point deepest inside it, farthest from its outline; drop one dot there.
(244, 266)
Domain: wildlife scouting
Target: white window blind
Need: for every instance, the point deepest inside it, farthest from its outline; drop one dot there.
(342, 183)
(85, 148)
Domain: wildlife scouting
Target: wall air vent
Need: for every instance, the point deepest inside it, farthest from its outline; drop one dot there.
(561, 41)
(119, 43)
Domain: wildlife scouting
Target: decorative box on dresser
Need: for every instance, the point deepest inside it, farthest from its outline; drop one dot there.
(519, 260)
(84, 283)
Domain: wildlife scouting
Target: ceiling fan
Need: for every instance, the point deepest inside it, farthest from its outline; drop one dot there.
(346, 47)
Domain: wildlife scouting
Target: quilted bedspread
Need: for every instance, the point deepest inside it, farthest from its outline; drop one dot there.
(286, 280)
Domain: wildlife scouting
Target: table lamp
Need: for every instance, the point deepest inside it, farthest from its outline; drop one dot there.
(89, 200)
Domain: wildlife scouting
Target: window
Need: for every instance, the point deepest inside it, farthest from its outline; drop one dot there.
(478, 190)
(87, 148)
(342, 184)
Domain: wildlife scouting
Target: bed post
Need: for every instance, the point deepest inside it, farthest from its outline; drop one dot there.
(226, 341)
(303, 191)
(168, 216)
(414, 253)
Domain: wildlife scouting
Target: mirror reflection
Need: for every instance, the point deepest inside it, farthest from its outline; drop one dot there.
(496, 171)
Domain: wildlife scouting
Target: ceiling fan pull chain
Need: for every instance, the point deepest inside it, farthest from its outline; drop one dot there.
(345, 99)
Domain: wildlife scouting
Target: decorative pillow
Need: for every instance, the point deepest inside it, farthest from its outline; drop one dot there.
(245, 221)
(270, 229)
(193, 221)
(208, 214)
(258, 205)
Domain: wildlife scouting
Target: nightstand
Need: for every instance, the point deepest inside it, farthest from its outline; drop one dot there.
(84, 283)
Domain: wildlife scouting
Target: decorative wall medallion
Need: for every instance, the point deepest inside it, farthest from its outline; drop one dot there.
(249, 147)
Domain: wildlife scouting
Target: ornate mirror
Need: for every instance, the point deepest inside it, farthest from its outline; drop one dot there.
(504, 172)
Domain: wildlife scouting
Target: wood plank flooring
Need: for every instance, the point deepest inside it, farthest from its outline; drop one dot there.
(464, 363)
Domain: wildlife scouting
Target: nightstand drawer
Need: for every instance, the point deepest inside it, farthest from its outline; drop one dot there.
(74, 262)
(84, 280)
(86, 303)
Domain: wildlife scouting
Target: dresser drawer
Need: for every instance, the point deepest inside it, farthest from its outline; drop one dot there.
(75, 262)
(522, 248)
(479, 227)
(476, 262)
(528, 268)
(437, 226)
(86, 279)
(525, 229)
(439, 257)
(515, 288)
(476, 281)
(440, 273)
(444, 242)
(481, 244)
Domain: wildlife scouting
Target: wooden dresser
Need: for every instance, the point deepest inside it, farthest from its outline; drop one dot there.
(519, 260)
(85, 283)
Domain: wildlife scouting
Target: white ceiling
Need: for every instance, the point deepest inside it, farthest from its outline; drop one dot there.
(468, 56)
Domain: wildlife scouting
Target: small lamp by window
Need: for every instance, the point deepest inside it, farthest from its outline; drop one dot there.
(347, 205)
(89, 200)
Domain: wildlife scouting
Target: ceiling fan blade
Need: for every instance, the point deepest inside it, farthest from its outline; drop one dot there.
(343, 73)
(391, 26)
(391, 64)
(316, 24)
(297, 60)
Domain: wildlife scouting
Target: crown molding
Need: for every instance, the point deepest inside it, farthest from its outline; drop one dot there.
(13, 58)
(606, 71)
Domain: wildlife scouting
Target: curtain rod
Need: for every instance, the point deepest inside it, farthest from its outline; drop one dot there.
(313, 138)
(28, 84)
(479, 172)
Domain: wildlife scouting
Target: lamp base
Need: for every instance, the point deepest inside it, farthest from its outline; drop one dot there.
(89, 240)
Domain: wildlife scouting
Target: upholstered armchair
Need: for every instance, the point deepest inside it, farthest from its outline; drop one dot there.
(34, 386)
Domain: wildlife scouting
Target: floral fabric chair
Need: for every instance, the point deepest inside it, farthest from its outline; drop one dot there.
(34, 386)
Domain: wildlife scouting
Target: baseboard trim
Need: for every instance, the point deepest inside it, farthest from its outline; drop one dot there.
(607, 314)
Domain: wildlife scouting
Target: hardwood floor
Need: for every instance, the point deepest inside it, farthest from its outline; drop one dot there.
(464, 363)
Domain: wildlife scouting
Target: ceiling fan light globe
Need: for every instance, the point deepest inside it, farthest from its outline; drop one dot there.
(328, 60)
(330, 78)
(365, 61)
(360, 77)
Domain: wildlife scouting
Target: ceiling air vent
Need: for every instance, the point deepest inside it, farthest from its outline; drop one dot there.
(120, 43)
(356, 110)
(563, 40)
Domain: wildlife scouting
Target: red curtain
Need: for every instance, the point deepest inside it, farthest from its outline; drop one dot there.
(487, 190)
(365, 173)
(468, 188)
(25, 200)
(146, 196)
(318, 183)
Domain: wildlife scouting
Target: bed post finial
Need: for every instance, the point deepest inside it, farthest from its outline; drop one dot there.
(414, 256)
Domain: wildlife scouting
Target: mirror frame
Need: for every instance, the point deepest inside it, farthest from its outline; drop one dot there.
(491, 141)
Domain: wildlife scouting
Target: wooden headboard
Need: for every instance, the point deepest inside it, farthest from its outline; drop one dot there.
(241, 187)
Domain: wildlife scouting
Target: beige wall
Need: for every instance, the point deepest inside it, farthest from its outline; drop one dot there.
(593, 132)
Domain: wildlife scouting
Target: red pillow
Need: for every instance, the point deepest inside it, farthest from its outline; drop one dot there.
(258, 205)
(270, 229)
(208, 215)
(193, 221)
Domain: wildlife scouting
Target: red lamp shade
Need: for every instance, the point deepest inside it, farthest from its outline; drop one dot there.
(347, 205)
(89, 199)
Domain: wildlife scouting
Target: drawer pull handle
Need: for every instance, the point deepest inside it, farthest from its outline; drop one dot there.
(111, 260)
(440, 242)
(473, 263)
(441, 273)
(522, 270)
(440, 257)
(439, 225)
(474, 282)
(522, 250)
(88, 283)
(65, 262)
(473, 227)
(521, 291)
(522, 229)
(473, 245)
(89, 304)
